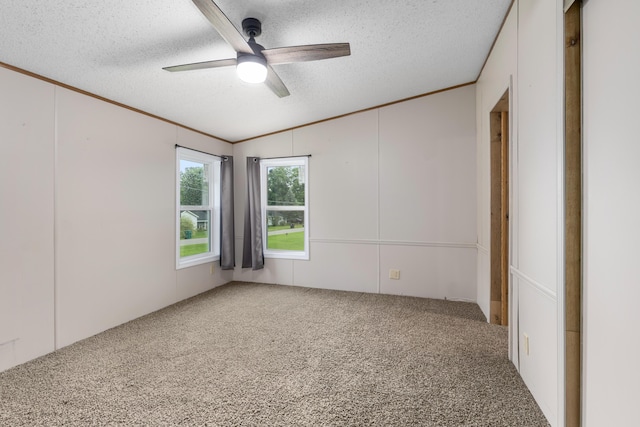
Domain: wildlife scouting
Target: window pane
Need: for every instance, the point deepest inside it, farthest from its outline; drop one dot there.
(285, 230)
(285, 186)
(194, 232)
(194, 185)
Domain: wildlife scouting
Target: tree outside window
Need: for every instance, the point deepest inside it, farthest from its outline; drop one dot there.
(284, 206)
(198, 181)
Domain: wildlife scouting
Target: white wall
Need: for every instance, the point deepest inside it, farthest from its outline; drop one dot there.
(88, 228)
(70, 162)
(499, 75)
(611, 141)
(537, 270)
(526, 59)
(392, 187)
(26, 218)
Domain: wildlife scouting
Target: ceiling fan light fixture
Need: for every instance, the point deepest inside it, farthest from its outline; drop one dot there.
(253, 62)
(252, 68)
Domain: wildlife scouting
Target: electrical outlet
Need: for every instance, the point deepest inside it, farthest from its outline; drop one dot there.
(526, 344)
(394, 274)
(213, 269)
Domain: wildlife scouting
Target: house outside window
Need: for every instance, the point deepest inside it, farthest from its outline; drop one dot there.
(197, 208)
(285, 211)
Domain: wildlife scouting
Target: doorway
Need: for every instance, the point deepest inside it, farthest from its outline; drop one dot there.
(499, 159)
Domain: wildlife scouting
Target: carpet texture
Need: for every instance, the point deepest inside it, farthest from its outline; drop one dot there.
(267, 355)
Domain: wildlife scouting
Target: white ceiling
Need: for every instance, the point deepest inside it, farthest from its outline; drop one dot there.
(117, 48)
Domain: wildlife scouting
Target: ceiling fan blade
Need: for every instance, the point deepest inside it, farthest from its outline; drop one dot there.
(221, 23)
(312, 52)
(275, 83)
(203, 65)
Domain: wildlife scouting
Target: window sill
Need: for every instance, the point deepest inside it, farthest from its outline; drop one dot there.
(186, 263)
(302, 256)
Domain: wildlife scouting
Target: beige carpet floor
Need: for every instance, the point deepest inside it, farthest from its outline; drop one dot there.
(267, 355)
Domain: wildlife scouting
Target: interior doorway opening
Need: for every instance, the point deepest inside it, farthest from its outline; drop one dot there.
(499, 155)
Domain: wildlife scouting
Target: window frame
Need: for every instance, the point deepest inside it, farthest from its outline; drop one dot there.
(213, 207)
(287, 161)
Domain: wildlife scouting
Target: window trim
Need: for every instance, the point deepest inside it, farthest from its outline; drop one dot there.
(213, 207)
(288, 161)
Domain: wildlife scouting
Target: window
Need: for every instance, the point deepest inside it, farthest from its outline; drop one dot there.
(197, 207)
(285, 207)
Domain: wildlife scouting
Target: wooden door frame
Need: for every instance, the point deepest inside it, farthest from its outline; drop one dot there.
(573, 215)
(499, 197)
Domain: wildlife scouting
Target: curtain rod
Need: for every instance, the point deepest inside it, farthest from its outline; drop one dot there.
(222, 156)
(284, 157)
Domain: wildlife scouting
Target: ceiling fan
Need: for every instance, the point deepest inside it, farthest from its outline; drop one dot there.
(253, 62)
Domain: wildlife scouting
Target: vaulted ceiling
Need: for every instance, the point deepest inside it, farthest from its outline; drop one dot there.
(116, 49)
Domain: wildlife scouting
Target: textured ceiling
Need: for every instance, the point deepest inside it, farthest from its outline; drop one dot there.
(117, 48)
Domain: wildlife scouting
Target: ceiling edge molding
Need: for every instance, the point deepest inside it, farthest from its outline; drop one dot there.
(127, 107)
(98, 97)
(357, 112)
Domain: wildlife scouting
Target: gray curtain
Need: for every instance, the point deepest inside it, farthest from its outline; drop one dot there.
(227, 227)
(252, 254)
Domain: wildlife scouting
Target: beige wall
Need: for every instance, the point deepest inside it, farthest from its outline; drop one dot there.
(27, 126)
(392, 187)
(88, 228)
(499, 75)
(612, 212)
(526, 59)
(73, 169)
(528, 54)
